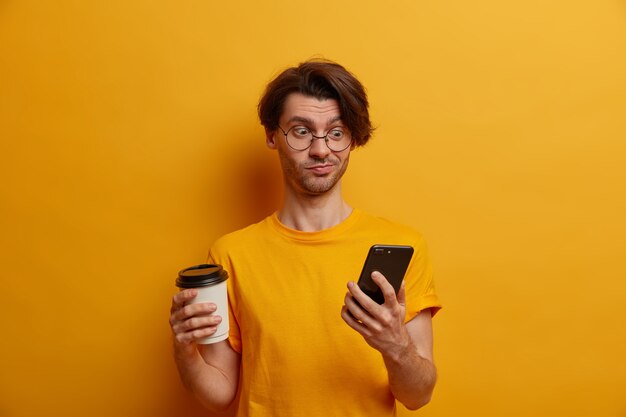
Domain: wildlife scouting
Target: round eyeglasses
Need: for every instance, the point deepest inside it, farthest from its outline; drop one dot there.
(300, 138)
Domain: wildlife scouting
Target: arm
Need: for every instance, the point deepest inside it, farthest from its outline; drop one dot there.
(211, 372)
(406, 348)
(412, 373)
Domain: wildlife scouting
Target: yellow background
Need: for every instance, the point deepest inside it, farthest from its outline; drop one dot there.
(129, 143)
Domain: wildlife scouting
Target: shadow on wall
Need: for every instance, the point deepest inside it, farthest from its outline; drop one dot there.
(261, 184)
(250, 183)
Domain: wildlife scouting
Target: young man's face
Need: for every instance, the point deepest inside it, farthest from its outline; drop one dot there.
(317, 169)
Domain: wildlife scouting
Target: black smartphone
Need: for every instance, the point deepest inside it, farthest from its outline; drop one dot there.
(390, 260)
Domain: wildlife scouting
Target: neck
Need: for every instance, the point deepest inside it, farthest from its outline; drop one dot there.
(312, 213)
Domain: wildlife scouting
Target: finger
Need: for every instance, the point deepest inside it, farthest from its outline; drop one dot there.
(354, 308)
(197, 309)
(196, 335)
(196, 323)
(180, 298)
(192, 310)
(361, 315)
(388, 292)
(347, 316)
(364, 301)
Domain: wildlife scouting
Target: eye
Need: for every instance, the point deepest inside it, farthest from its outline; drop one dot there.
(336, 134)
(301, 131)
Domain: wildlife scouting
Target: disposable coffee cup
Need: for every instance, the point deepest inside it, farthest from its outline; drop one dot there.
(210, 281)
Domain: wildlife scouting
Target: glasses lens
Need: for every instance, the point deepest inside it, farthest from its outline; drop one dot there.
(299, 138)
(338, 139)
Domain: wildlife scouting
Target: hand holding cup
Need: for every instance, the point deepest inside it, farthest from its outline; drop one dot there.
(199, 311)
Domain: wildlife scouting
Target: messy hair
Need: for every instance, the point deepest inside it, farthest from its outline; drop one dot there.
(321, 79)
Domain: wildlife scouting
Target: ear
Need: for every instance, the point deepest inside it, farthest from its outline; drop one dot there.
(270, 138)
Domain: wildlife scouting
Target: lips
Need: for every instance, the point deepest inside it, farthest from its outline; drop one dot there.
(321, 169)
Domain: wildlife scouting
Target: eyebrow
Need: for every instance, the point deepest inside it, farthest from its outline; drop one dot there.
(310, 122)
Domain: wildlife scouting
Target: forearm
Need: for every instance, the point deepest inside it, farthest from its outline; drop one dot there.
(209, 382)
(412, 377)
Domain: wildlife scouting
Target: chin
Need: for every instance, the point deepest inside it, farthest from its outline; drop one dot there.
(316, 188)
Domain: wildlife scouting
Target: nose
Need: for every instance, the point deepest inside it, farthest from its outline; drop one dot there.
(318, 148)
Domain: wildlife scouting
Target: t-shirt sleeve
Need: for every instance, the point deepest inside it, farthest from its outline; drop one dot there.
(234, 335)
(419, 286)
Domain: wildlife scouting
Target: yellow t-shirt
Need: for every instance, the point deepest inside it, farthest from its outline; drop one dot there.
(286, 290)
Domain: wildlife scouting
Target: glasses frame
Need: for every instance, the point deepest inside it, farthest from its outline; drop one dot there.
(313, 137)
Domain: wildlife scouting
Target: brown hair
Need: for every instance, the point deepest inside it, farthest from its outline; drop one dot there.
(321, 79)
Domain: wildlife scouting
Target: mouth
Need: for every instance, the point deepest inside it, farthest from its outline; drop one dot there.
(321, 169)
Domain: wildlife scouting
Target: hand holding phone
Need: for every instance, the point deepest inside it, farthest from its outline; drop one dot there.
(390, 260)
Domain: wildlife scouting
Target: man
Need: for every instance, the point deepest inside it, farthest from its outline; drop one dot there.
(300, 343)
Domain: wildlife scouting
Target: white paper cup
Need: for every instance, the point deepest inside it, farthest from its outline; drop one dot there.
(210, 281)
